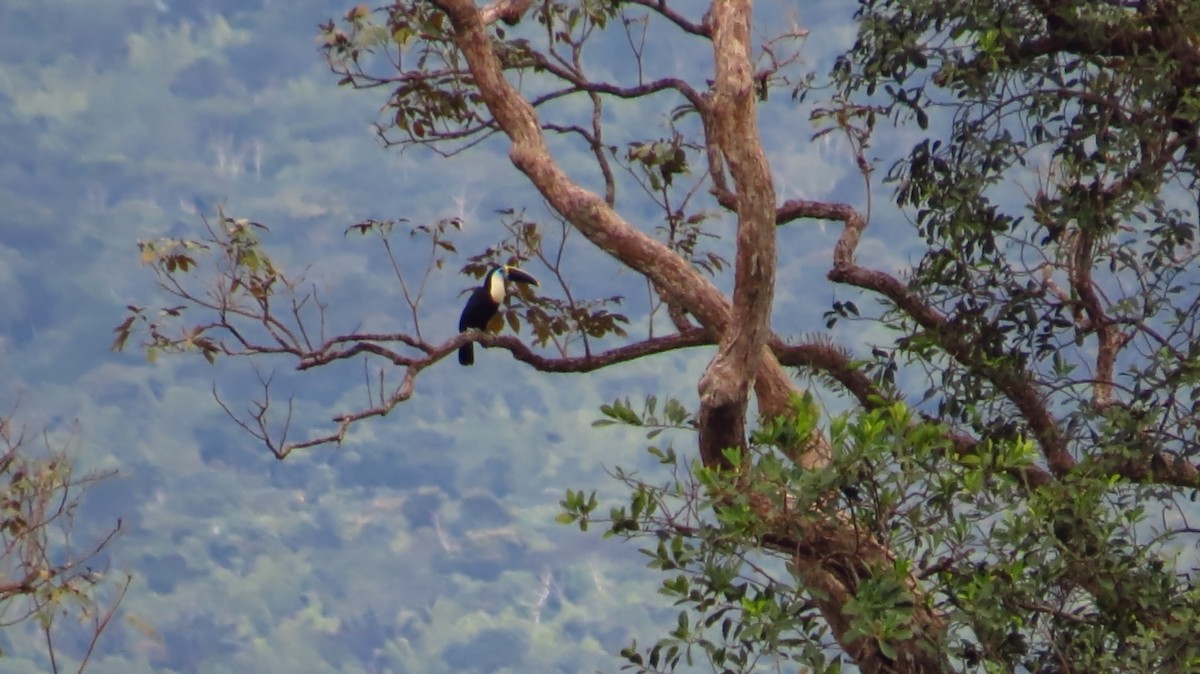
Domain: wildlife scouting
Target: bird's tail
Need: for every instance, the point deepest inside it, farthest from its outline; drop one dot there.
(466, 354)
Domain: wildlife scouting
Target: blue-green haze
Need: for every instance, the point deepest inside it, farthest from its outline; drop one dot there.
(426, 542)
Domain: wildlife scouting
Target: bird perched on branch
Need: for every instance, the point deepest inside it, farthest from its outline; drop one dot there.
(484, 302)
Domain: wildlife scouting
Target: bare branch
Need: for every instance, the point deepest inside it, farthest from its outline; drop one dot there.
(662, 9)
(258, 424)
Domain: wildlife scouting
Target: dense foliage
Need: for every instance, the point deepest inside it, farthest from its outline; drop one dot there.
(1054, 307)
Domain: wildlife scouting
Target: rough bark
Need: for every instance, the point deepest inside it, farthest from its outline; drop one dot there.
(725, 386)
(832, 558)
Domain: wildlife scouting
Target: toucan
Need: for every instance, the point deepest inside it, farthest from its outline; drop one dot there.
(484, 302)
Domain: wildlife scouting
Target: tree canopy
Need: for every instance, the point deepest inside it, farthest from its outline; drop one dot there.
(1011, 490)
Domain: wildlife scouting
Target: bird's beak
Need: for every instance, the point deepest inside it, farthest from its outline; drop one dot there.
(519, 276)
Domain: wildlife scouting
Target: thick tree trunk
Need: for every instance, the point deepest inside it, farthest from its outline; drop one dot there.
(831, 558)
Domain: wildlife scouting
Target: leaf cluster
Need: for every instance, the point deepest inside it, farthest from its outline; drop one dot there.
(552, 320)
(1043, 580)
(1083, 288)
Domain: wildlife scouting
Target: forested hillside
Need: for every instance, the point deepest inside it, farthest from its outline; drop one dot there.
(425, 543)
(865, 336)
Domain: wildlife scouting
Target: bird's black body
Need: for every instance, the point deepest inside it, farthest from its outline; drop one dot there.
(483, 304)
(477, 314)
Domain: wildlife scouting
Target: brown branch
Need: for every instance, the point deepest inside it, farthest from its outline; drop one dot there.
(1162, 468)
(509, 11)
(790, 210)
(1023, 393)
(259, 427)
(361, 344)
(832, 544)
(101, 622)
(725, 386)
(582, 208)
(1072, 30)
(682, 284)
(26, 585)
(677, 314)
(520, 351)
(581, 84)
(598, 151)
(661, 8)
(685, 286)
(834, 362)
(1107, 335)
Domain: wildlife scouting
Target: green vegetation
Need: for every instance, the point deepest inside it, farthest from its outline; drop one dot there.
(986, 463)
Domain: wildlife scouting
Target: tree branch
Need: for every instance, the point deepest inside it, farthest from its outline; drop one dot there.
(1019, 390)
(725, 386)
(684, 286)
(661, 8)
(509, 11)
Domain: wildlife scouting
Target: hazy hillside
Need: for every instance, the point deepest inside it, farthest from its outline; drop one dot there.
(427, 542)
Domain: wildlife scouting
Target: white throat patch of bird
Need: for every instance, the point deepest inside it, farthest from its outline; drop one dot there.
(496, 286)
